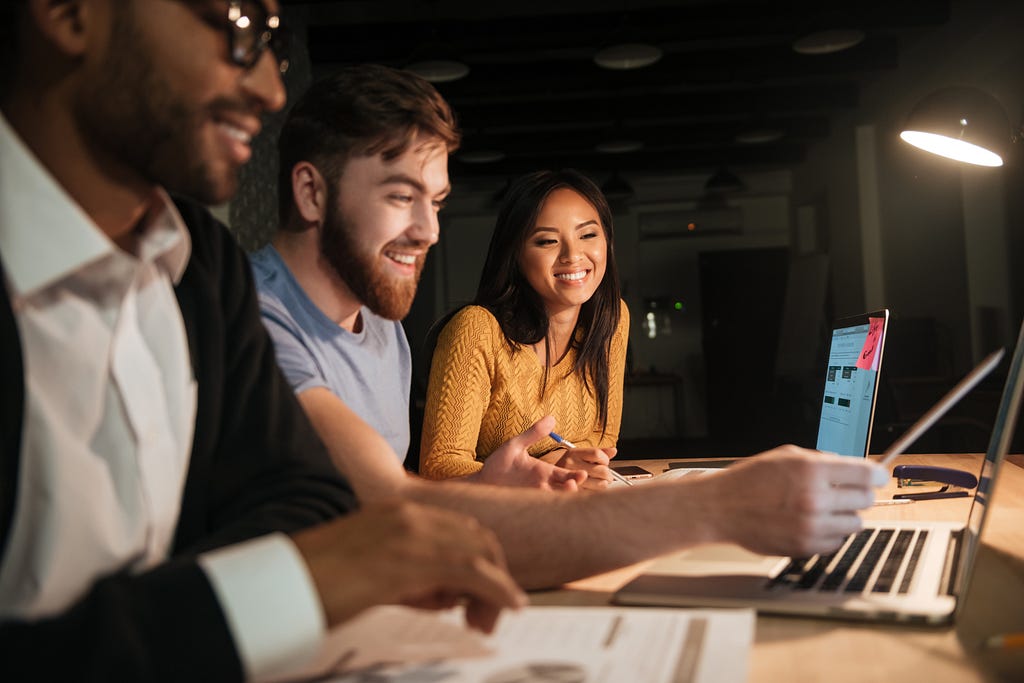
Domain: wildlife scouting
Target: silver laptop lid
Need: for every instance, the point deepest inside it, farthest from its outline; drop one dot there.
(998, 445)
(851, 383)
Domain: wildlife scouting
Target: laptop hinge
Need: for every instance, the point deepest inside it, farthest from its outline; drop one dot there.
(951, 568)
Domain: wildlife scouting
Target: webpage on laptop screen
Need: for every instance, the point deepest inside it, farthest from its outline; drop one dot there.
(849, 389)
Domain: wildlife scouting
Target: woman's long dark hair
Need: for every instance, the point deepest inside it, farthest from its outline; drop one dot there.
(519, 310)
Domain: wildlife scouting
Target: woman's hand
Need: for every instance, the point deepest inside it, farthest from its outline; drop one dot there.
(512, 465)
(593, 461)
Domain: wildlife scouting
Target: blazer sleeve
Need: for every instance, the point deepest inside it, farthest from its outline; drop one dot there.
(164, 625)
(458, 393)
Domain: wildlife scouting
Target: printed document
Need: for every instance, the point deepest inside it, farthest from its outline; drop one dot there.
(539, 644)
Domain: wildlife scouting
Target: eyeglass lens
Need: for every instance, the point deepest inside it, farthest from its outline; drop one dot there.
(253, 29)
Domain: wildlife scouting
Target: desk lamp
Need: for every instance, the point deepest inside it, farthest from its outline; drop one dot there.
(961, 123)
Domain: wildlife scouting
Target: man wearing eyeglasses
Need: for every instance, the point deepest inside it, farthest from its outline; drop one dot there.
(153, 462)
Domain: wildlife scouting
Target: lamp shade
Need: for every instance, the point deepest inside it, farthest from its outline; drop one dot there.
(961, 123)
(722, 181)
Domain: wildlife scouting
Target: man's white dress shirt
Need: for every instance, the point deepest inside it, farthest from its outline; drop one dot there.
(110, 407)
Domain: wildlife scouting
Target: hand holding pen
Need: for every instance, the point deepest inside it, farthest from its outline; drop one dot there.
(595, 462)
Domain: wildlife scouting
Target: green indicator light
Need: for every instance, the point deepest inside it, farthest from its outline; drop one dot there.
(679, 305)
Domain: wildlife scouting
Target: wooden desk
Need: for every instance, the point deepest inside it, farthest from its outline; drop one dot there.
(798, 649)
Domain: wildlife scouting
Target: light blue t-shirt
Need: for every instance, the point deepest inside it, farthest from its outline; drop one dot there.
(370, 371)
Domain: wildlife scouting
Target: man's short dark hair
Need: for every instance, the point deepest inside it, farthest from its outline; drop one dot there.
(359, 111)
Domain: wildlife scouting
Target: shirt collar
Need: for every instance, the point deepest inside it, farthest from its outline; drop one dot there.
(165, 239)
(36, 213)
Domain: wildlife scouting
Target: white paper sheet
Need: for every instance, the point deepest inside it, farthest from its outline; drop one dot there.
(540, 645)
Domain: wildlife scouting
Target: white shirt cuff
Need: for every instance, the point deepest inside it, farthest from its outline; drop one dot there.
(270, 603)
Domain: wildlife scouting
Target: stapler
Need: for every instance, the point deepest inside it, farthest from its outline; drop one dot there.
(953, 483)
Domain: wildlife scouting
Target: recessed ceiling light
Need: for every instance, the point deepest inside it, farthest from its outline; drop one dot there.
(827, 42)
(618, 146)
(439, 70)
(759, 136)
(627, 56)
(481, 156)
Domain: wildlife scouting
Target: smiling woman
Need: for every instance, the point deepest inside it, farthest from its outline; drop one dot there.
(563, 258)
(546, 336)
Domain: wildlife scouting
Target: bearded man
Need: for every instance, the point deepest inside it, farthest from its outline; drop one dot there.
(342, 271)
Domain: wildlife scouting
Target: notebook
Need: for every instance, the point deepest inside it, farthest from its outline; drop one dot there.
(901, 571)
(851, 383)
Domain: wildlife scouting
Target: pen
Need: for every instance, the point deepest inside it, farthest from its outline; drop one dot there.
(1004, 641)
(893, 501)
(569, 444)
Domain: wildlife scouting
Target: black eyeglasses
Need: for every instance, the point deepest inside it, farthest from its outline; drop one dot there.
(252, 29)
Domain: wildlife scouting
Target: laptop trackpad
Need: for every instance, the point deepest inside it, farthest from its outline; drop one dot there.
(716, 559)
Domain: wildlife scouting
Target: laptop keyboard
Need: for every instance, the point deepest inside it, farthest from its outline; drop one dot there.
(869, 561)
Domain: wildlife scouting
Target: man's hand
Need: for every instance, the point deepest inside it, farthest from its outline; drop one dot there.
(792, 501)
(593, 461)
(512, 465)
(408, 554)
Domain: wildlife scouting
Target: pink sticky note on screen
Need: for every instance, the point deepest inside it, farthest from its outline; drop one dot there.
(868, 358)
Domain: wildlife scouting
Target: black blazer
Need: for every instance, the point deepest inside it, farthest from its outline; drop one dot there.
(256, 466)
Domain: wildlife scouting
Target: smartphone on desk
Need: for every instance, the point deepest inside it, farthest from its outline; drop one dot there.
(633, 472)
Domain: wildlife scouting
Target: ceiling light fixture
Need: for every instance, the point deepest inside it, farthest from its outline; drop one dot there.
(620, 146)
(827, 42)
(724, 181)
(961, 123)
(759, 136)
(481, 156)
(439, 70)
(626, 56)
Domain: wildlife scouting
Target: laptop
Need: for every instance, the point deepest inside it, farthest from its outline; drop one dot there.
(899, 571)
(851, 383)
(851, 387)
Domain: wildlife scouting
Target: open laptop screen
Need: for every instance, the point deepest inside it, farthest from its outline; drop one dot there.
(851, 381)
(998, 445)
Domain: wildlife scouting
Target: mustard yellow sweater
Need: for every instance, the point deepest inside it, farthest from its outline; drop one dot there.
(482, 393)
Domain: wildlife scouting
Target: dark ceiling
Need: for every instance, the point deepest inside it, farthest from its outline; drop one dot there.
(535, 94)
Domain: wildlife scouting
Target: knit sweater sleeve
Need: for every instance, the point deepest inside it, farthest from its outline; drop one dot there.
(616, 377)
(458, 393)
